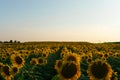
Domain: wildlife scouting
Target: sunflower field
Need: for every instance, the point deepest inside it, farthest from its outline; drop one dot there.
(59, 61)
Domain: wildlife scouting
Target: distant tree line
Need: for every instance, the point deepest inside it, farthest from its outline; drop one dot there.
(11, 41)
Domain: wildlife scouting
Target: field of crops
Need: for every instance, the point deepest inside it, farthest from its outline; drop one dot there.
(59, 61)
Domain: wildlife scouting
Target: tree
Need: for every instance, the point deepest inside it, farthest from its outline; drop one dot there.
(10, 41)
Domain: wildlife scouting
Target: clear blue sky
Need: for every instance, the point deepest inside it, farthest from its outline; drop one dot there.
(60, 20)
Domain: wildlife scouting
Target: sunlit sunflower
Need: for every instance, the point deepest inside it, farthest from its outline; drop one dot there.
(6, 72)
(22, 55)
(7, 54)
(17, 60)
(99, 69)
(86, 57)
(83, 57)
(14, 70)
(20, 51)
(69, 71)
(1, 66)
(90, 55)
(72, 57)
(106, 55)
(45, 61)
(45, 54)
(34, 61)
(4, 57)
(42, 61)
(62, 54)
(101, 55)
(89, 60)
(26, 54)
(58, 64)
(116, 55)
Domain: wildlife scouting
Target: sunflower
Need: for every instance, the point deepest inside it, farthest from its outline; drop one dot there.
(90, 55)
(45, 61)
(58, 65)
(1, 66)
(17, 60)
(34, 61)
(72, 57)
(69, 71)
(86, 56)
(89, 60)
(101, 55)
(42, 61)
(83, 57)
(26, 54)
(14, 70)
(7, 54)
(45, 54)
(99, 69)
(116, 55)
(4, 57)
(6, 72)
(106, 55)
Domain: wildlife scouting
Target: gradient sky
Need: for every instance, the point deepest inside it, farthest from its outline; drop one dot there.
(60, 20)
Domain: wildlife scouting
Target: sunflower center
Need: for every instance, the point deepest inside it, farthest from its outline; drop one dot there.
(1, 66)
(99, 70)
(89, 60)
(6, 70)
(18, 60)
(40, 60)
(33, 62)
(44, 55)
(71, 58)
(69, 70)
(15, 69)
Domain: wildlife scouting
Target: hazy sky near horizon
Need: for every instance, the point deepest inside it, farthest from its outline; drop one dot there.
(60, 20)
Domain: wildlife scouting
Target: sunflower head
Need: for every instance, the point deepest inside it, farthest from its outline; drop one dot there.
(17, 60)
(106, 55)
(6, 72)
(58, 65)
(89, 60)
(1, 66)
(86, 57)
(7, 54)
(101, 55)
(100, 69)
(34, 61)
(72, 57)
(14, 70)
(42, 61)
(4, 57)
(90, 55)
(44, 54)
(116, 55)
(69, 70)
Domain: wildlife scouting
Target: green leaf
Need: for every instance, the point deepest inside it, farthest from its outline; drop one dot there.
(55, 77)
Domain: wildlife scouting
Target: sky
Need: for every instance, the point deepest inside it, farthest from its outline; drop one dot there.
(60, 20)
